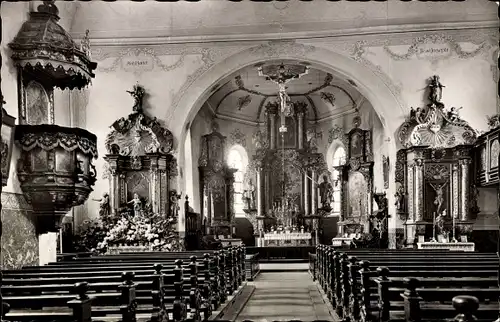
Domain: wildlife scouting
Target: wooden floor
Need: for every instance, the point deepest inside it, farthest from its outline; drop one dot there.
(284, 296)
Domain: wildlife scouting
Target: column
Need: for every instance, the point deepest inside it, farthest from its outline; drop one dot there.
(300, 116)
(114, 196)
(419, 190)
(454, 196)
(267, 192)
(209, 211)
(306, 194)
(260, 193)
(272, 137)
(314, 192)
(464, 191)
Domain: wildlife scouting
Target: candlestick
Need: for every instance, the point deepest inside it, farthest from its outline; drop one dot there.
(433, 240)
(454, 240)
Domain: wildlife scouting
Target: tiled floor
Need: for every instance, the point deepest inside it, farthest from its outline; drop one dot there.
(285, 296)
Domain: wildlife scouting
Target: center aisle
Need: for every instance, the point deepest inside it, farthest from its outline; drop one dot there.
(285, 296)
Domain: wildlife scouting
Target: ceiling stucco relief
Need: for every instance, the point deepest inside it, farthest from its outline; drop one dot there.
(237, 137)
(140, 59)
(209, 56)
(326, 96)
(281, 49)
(436, 47)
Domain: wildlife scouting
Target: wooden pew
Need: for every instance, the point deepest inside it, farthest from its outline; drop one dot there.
(103, 284)
(346, 284)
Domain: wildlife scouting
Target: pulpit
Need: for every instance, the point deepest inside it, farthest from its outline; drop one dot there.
(216, 182)
(434, 171)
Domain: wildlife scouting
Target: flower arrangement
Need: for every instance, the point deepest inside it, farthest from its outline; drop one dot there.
(157, 231)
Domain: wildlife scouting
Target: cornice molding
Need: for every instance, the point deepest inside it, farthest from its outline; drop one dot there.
(124, 39)
(336, 115)
(236, 119)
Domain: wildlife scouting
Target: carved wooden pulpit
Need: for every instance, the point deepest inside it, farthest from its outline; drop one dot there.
(139, 160)
(216, 183)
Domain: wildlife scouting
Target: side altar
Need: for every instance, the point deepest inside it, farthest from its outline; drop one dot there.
(140, 209)
(437, 198)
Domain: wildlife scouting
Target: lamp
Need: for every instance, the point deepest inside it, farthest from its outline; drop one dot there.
(8, 125)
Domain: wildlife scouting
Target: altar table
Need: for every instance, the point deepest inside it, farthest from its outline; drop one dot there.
(341, 241)
(287, 239)
(459, 246)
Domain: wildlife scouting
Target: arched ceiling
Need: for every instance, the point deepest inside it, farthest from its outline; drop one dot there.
(244, 95)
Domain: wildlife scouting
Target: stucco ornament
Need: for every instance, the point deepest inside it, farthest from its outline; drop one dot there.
(138, 134)
(281, 48)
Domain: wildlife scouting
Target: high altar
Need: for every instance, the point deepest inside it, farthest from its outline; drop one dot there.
(436, 197)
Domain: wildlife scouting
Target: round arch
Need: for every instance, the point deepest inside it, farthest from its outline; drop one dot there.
(242, 151)
(368, 83)
(330, 152)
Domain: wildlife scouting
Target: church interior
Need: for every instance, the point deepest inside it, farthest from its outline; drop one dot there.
(250, 161)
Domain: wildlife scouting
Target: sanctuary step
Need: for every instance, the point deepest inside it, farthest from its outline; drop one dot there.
(285, 297)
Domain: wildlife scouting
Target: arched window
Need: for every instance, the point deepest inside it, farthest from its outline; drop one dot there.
(237, 159)
(338, 159)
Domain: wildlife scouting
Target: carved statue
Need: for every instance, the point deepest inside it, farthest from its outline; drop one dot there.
(440, 222)
(138, 94)
(251, 190)
(85, 44)
(325, 189)
(137, 203)
(439, 200)
(104, 206)
(174, 203)
(436, 91)
(400, 200)
(453, 114)
(311, 139)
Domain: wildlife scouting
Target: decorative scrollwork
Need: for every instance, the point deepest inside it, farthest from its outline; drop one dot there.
(48, 137)
(138, 134)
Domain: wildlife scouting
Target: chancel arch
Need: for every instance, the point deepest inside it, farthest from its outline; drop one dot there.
(370, 85)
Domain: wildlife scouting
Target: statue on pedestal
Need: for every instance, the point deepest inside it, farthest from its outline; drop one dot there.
(104, 207)
(325, 192)
(251, 190)
(137, 203)
(138, 94)
(436, 91)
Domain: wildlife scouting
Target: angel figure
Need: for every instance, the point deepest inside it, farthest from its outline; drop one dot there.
(138, 94)
(137, 202)
(453, 114)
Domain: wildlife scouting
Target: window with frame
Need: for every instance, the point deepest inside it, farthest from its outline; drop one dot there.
(339, 158)
(235, 161)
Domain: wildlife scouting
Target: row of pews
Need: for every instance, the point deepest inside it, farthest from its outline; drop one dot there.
(156, 286)
(408, 285)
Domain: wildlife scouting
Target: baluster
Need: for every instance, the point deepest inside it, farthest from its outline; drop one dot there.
(194, 294)
(217, 289)
(346, 286)
(236, 277)
(329, 273)
(412, 300)
(207, 288)
(365, 305)
(159, 312)
(229, 268)
(82, 304)
(222, 275)
(354, 286)
(243, 261)
(338, 282)
(179, 311)
(128, 301)
(384, 304)
(466, 306)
